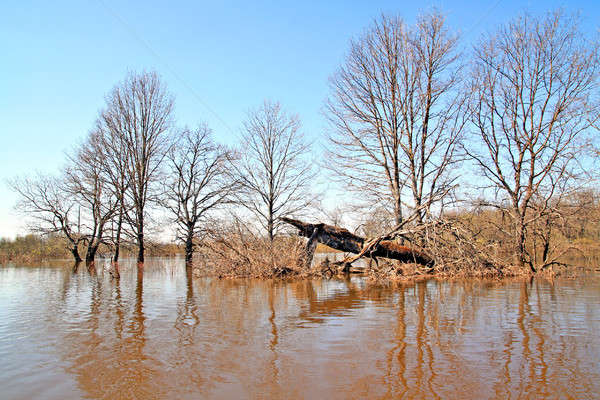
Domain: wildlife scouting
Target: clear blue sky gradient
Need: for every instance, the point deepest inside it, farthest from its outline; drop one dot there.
(220, 58)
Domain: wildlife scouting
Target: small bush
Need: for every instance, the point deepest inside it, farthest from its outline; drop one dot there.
(234, 251)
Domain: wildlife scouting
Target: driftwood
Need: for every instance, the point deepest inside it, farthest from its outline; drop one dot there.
(343, 240)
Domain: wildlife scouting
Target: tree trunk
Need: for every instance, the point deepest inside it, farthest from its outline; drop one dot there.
(75, 252)
(341, 239)
(118, 236)
(116, 255)
(398, 211)
(311, 246)
(520, 249)
(547, 236)
(90, 255)
(189, 247)
(140, 240)
(270, 227)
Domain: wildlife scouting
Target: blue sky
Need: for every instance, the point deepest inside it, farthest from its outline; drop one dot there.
(219, 59)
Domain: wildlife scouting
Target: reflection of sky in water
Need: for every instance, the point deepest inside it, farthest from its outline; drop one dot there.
(161, 335)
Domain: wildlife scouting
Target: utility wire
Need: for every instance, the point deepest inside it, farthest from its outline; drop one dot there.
(145, 44)
(484, 16)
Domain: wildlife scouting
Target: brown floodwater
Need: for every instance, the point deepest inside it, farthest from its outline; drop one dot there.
(165, 335)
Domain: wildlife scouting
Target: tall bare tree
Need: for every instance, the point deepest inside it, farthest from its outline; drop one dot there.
(533, 82)
(199, 181)
(50, 207)
(275, 173)
(114, 153)
(85, 181)
(395, 112)
(139, 114)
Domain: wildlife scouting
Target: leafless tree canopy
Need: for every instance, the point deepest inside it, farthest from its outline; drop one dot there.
(199, 181)
(138, 117)
(275, 172)
(532, 82)
(396, 113)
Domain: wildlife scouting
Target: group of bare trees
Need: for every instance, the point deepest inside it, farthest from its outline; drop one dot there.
(411, 114)
(135, 161)
(407, 107)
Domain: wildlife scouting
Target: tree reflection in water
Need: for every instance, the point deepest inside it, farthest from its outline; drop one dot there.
(107, 350)
(160, 333)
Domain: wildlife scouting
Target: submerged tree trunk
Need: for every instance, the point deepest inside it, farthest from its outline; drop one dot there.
(90, 255)
(189, 247)
(114, 271)
(116, 255)
(140, 239)
(118, 236)
(75, 252)
(341, 239)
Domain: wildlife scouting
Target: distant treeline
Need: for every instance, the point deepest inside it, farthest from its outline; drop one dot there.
(485, 158)
(34, 249)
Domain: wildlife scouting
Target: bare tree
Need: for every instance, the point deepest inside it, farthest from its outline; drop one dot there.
(138, 113)
(199, 181)
(114, 153)
(395, 112)
(51, 208)
(275, 174)
(86, 182)
(532, 81)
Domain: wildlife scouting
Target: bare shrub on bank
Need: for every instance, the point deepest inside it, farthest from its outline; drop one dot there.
(233, 250)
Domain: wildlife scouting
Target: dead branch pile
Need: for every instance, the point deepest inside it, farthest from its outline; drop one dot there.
(439, 246)
(455, 248)
(234, 251)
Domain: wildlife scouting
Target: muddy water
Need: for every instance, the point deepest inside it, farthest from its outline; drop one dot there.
(163, 335)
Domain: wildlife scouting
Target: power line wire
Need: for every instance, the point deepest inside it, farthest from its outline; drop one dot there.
(484, 16)
(144, 43)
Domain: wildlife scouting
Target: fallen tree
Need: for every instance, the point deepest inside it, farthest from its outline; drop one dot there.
(341, 239)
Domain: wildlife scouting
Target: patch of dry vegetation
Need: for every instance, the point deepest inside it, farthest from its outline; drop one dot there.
(236, 251)
(34, 249)
(477, 243)
(31, 249)
(456, 251)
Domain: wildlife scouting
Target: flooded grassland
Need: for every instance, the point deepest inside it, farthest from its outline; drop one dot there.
(164, 334)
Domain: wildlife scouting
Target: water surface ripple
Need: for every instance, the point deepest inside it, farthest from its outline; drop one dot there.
(162, 334)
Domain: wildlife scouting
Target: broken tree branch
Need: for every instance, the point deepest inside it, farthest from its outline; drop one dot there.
(343, 240)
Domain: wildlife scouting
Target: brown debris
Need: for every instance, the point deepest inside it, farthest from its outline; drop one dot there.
(343, 240)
